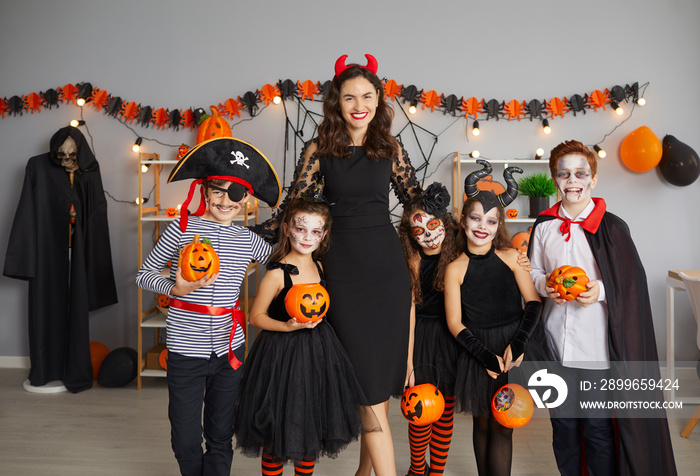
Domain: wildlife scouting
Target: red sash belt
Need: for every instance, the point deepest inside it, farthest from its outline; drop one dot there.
(237, 315)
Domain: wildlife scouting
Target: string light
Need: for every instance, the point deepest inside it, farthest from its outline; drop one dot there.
(141, 200)
(539, 153)
(277, 99)
(412, 107)
(641, 101)
(80, 102)
(475, 129)
(618, 110)
(137, 145)
(601, 152)
(145, 167)
(545, 126)
(76, 123)
(474, 154)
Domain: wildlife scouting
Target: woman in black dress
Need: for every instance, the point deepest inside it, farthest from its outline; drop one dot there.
(357, 160)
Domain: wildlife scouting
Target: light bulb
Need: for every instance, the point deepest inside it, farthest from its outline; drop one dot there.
(144, 168)
(412, 109)
(601, 153)
(80, 102)
(137, 145)
(539, 153)
(475, 129)
(545, 126)
(475, 154)
(277, 99)
(641, 101)
(76, 123)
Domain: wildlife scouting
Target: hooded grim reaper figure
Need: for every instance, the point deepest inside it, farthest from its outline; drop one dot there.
(59, 244)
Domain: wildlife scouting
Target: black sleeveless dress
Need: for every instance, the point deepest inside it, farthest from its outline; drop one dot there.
(299, 397)
(435, 350)
(491, 309)
(368, 281)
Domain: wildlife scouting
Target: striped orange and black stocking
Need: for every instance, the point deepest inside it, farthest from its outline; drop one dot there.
(304, 468)
(271, 466)
(441, 438)
(418, 440)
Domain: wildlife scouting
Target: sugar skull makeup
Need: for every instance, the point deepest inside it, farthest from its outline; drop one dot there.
(574, 179)
(306, 232)
(428, 230)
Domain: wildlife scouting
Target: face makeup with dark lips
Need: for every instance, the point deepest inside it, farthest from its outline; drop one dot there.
(574, 179)
(428, 230)
(481, 227)
(306, 232)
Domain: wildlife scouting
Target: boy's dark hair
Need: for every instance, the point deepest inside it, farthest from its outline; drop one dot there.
(295, 206)
(572, 147)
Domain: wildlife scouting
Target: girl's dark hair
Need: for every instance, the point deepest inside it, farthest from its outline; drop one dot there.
(301, 205)
(452, 246)
(502, 240)
(333, 137)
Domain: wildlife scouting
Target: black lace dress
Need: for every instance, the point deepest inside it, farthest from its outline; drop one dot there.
(367, 277)
(299, 397)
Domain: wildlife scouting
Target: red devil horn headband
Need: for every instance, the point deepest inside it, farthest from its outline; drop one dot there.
(340, 65)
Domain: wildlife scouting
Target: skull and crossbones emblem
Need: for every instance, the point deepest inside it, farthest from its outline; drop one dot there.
(240, 159)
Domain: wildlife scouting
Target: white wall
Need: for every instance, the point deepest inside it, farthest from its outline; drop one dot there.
(178, 54)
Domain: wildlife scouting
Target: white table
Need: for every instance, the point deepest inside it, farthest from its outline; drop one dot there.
(674, 283)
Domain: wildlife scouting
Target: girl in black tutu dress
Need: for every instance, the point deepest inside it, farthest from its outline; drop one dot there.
(299, 398)
(430, 239)
(484, 290)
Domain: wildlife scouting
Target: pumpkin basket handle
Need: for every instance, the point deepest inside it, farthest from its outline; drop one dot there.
(437, 386)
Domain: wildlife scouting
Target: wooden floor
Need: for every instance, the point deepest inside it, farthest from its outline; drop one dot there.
(125, 432)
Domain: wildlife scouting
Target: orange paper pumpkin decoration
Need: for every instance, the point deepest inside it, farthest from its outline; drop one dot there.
(171, 212)
(198, 259)
(422, 404)
(163, 359)
(521, 240)
(568, 281)
(307, 302)
(512, 406)
(641, 150)
(163, 300)
(512, 213)
(213, 126)
(98, 352)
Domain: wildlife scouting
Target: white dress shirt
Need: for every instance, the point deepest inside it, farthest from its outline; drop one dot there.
(578, 335)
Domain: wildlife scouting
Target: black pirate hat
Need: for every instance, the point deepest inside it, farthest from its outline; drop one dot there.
(229, 159)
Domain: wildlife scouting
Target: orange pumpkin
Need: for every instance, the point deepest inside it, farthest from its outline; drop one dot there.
(512, 213)
(181, 151)
(213, 126)
(163, 359)
(163, 300)
(98, 352)
(307, 302)
(568, 281)
(198, 259)
(512, 406)
(422, 404)
(171, 212)
(521, 240)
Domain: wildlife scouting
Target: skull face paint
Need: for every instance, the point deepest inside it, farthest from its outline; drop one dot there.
(68, 154)
(574, 179)
(306, 232)
(428, 230)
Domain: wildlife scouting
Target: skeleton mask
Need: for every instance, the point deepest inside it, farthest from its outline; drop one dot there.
(68, 154)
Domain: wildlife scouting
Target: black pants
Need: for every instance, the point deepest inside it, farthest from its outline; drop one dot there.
(573, 429)
(214, 384)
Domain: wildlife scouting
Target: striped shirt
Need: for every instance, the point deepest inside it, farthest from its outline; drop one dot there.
(190, 333)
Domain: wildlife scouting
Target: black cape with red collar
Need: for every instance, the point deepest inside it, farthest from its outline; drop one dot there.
(644, 443)
(62, 290)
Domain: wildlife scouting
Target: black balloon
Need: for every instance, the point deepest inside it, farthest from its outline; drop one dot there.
(679, 163)
(118, 368)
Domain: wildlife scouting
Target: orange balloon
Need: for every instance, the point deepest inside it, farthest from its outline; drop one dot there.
(641, 150)
(163, 359)
(98, 352)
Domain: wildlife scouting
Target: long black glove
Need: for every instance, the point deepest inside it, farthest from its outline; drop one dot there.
(531, 314)
(478, 350)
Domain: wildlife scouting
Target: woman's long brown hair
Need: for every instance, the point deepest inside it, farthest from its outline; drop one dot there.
(333, 137)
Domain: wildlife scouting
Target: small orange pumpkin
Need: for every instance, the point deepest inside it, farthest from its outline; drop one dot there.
(198, 259)
(521, 240)
(163, 359)
(213, 126)
(512, 406)
(422, 404)
(512, 213)
(171, 212)
(568, 281)
(163, 300)
(181, 151)
(307, 302)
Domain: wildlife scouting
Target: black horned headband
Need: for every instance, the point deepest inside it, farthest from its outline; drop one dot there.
(487, 198)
